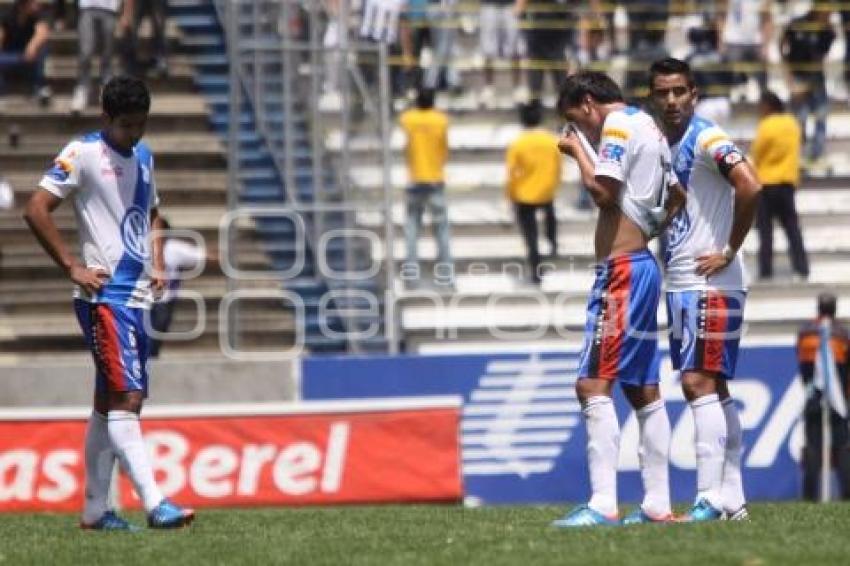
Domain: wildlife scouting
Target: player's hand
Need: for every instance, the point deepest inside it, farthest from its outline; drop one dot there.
(712, 263)
(568, 143)
(90, 280)
(157, 284)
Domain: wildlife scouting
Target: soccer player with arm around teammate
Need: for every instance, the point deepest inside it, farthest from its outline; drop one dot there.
(631, 182)
(705, 282)
(108, 176)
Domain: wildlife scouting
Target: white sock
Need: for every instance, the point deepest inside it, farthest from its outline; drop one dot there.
(733, 484)
(654, 455)
(710, 437)
(100, 461)
(125, 434)
(603, 447)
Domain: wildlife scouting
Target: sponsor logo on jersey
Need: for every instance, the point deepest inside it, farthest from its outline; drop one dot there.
(134, 232)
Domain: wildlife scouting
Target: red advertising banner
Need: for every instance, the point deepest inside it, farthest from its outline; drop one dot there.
(330, 456)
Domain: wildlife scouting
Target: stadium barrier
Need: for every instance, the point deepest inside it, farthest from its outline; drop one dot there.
(523, 437)
(366, 451)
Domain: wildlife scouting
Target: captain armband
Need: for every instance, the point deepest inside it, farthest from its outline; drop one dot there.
(727, 157)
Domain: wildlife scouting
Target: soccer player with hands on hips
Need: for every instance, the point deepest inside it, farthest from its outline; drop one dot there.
(705, 280)
(624, 162)
(108, 176)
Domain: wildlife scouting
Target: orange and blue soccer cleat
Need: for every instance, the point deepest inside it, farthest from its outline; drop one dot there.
(703, 511)
(167, 515)
(640, 517)
(110, 521)
(584, 516)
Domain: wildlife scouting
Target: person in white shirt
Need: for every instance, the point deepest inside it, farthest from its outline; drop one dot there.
(179, 256)
(94, 16)
(630, 180)
(108, 175)
(705, 278)
(746, 30)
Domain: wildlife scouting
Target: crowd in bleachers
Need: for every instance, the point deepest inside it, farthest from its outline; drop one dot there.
(737, 47)
(104, 27)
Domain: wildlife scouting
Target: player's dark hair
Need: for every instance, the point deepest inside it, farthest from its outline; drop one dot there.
(425, 98)
(531, 114)
(599, 86)
(125, 95)
(671, 66)
(772, 102)
(826, 304)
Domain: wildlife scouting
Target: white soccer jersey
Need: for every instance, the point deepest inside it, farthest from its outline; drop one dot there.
(633, 151)
(113, 195)
(699, 160)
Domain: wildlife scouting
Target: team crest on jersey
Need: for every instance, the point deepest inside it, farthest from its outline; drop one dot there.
(679, 228)
(612, 152)
(134, 233)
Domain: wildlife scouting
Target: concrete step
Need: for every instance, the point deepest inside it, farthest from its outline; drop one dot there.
(177, 112)
(171, 150)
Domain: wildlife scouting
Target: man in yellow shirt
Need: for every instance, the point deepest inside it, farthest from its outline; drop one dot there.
(533, 177)
(776, 154)
(427, 151)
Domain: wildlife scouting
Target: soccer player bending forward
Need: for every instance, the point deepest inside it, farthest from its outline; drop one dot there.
(631, 182)
(705, 283)
(109, 177)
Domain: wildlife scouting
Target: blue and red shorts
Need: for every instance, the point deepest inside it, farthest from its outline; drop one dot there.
(705, 330)
(119, 344)
(621, 332)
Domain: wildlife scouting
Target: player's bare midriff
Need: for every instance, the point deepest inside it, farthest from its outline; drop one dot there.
(617, 234)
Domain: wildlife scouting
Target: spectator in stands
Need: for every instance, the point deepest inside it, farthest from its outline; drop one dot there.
(533, 178)
(746, 31)
(845, 25)
(550, 28)
(776, 155)
(441, 74)
(7, 202)
(647, 30)
(25, 32)
(157, 11)
(808, 346)
(98, 18)
(805, 45)
(500, 38)
(427, 150)
(178, 255)
(711, 74)
(415, 33)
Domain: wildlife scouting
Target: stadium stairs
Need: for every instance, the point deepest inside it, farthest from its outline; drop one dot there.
(260, 179)
(488, 249)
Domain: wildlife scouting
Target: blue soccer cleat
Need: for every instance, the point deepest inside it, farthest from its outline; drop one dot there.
(167, 515)
(584, 516)
(110, 521)
(639, 517)
(703, 511)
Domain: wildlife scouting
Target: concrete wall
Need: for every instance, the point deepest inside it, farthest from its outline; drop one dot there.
(181, 380)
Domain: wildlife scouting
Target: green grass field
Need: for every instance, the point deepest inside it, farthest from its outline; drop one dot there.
(795, 534)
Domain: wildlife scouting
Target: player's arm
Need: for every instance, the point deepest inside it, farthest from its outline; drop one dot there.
(37, 215)
(158, 278)
(731, 165)
(38, 41)
(676, 199)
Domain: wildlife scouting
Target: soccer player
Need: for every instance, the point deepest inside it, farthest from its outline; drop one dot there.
(109, 177)
(705, 282)
(632, 184)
